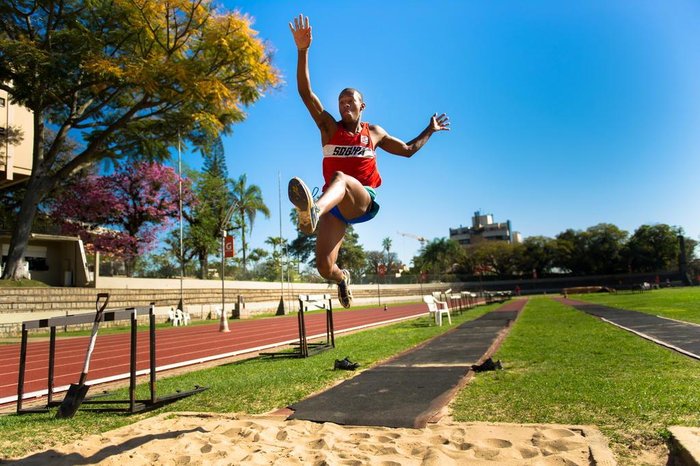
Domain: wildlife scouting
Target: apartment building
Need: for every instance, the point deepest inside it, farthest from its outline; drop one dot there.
(483, 228)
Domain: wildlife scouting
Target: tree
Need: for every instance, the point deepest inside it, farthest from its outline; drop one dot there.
(653, 248)
(248, 201)
(598, 250)
(391, 259)
(205, 219)
(157, 265)
(135, 202)
(127, 77)
(440, 256)
(373, 259)
(571, 252)
(606, 243)
(536, 255)
(214, 160)
(256, 255)
(274, 265)
(493, 257)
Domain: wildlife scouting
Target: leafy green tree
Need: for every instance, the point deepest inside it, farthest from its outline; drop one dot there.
(272, 269)
(571, 252)
(248, 201)
(536, 254)
(157, 265)
(653, 248)
(606, 243)
(255, 256)
(440, 256)
(214, 159)
(373, 259)
(205, 219)
(493, 258)
(126, 77)
(598, 250)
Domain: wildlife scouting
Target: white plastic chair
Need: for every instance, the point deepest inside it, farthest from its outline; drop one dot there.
(216, 313)
(175, 317)
(183, 317)
(437, 308)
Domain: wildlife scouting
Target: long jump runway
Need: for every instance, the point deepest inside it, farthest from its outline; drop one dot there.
(176, 347)
(412, 388)
(680, 336)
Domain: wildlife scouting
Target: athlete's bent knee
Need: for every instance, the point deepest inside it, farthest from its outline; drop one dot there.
(338, 176)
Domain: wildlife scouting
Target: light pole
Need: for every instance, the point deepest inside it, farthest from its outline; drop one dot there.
(280, 307)
(181, 305)
(223, 326)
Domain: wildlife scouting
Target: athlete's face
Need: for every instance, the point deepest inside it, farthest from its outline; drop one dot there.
(350, 105)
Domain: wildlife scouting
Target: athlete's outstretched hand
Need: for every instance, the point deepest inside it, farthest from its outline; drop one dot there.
(301, 32)
(440, 123)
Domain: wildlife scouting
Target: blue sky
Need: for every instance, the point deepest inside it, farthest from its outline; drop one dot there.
(564, 114)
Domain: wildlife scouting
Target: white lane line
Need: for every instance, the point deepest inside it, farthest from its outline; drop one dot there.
(655, 340)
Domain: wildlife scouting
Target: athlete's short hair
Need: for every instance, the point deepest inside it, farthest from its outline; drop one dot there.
(352, 90)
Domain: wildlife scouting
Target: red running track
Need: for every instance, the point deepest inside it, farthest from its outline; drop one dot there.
(175, 347)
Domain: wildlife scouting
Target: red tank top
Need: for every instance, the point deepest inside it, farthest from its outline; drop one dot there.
(352, 154)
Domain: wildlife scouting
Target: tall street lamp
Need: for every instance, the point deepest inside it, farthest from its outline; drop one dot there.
(223, 327)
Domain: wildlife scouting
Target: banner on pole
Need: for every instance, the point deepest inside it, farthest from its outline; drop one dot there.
(229, 250)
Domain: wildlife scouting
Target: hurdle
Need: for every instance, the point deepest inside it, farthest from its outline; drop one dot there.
(134, 405)
(304, 348)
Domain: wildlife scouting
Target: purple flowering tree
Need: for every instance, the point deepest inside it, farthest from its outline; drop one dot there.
(120, 215)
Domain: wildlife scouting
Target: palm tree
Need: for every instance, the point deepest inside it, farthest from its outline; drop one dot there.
(248, 201)
(386, 245)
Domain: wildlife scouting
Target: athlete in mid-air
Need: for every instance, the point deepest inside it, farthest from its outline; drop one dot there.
(349, 166)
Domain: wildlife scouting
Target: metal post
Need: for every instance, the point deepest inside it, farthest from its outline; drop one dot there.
(132, 363)
(52, 363)
(152, 350)
(223, 325)
(22, 367)
(181, 305)
(280, 308)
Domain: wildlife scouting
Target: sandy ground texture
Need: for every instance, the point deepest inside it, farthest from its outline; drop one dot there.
(217, 439)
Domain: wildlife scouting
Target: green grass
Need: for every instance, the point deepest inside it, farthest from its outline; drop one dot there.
(22, 284)
(250, 386)
(675, 303)
(563, 366)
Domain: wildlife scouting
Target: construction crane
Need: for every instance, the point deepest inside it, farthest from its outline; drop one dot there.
(422, 239)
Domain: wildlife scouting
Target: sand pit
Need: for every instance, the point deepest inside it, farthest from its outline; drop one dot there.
(211, 439)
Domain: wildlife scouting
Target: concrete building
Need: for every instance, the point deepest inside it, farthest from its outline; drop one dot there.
(15, 157)
(483, 228)
(54, 260)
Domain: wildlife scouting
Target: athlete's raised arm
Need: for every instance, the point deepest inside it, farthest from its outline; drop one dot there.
(301, 30)
(406, 149)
